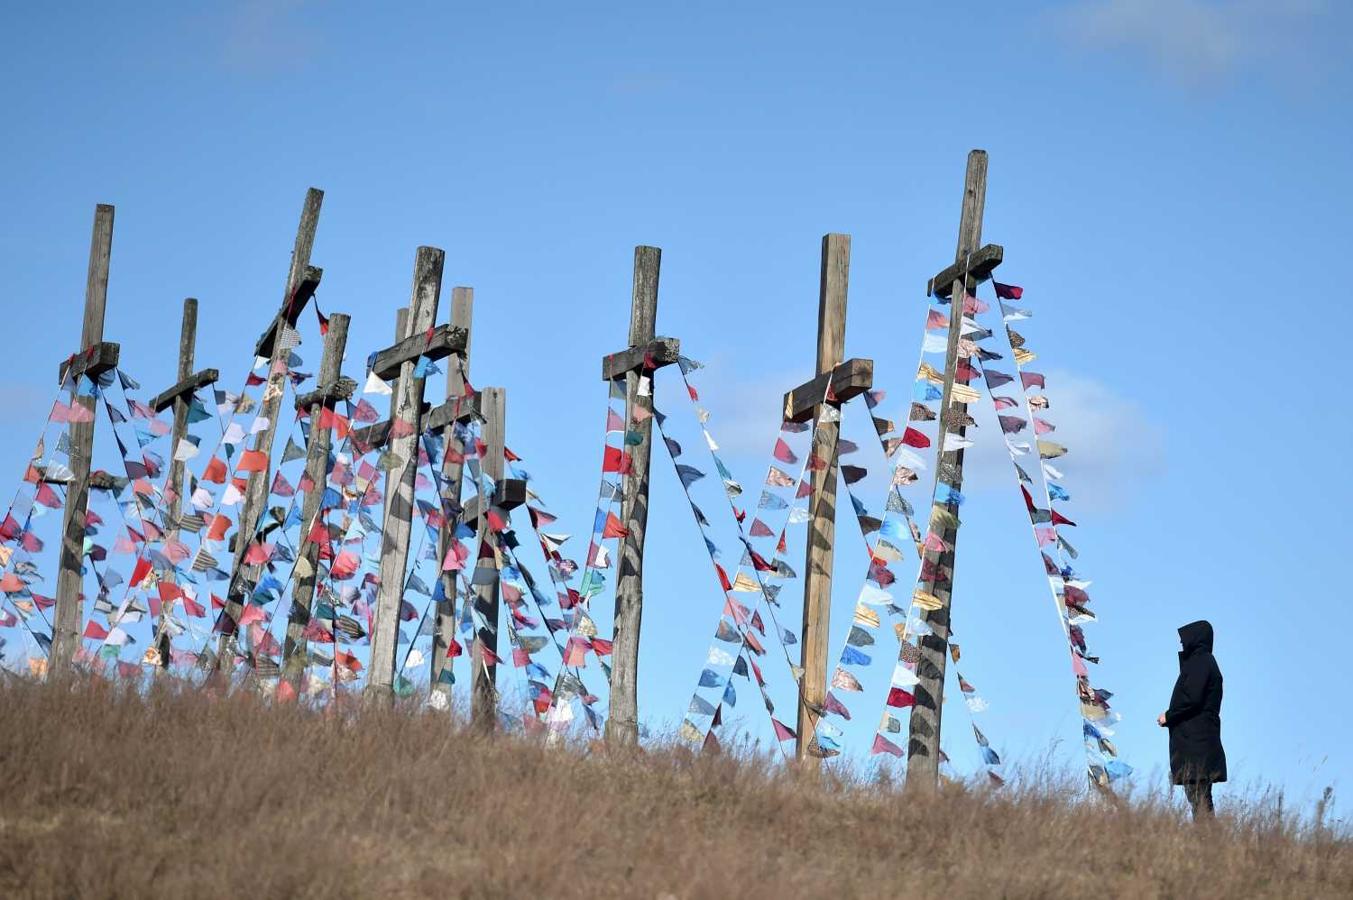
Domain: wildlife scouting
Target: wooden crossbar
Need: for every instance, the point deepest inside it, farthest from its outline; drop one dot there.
(328, 394)
(165, 399)
(661, 351)
(978, 268)
(99, 358)
(509, 493)
(291, 309)
(441, 343)
(850, 379)
(378, 433)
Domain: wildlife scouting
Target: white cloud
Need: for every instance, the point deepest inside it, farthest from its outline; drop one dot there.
(262, 37)
(1199, 40)
(1114, 447)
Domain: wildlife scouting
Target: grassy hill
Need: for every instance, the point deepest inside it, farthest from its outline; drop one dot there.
(176, 795)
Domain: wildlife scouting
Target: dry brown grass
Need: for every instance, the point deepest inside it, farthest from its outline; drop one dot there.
(176, 795)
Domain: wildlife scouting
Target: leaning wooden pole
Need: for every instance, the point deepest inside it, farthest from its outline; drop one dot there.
(299, 273)
(484, 691)
(453, 463)
(817, 577)
(622, 727)
(177, 467)
(66, 625)
(406, 427)
(331, 388)
(923, 744)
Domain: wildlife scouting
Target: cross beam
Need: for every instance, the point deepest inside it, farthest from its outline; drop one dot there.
(328, 394)
(378, 433)
(184, 388)
(659, 352)
(93, 361)
(440, 343)
(850, 379)
(508, 493)
(972, 270)
(292, 306)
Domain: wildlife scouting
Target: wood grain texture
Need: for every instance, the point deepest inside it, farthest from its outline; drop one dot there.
(441, 343)
(402, 471)
(256, 491)
(622, 727)
(462, 316)
(923, 743)
(848, 380)
(977, 268)
(483, 689)
(654, 355)
(67, 619)
(317, 474)
(833, 286)
(180, 399)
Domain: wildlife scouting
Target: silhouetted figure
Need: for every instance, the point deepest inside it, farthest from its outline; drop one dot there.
(1197, 760)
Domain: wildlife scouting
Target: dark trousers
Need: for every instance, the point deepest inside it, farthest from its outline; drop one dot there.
(1199, 794)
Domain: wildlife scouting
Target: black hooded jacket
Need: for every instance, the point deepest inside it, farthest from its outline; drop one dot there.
(1194, 716)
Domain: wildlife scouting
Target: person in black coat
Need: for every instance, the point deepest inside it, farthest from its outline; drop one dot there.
(1197, 760)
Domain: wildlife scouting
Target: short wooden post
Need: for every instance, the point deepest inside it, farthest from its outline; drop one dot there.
(923, 744)
(406, 428)
(622, 727)
(817, 577)
(462, 313)
(484, 692)
(66, 626)
(330, 388)
(299, 273)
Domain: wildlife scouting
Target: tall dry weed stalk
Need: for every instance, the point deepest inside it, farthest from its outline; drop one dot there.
(108, 793)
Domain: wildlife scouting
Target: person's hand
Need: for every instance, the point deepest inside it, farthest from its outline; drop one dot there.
(1160, 720)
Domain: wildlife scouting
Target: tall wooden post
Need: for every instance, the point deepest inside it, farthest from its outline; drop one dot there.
(923, 744)
(406, 427)
(462, 313)
(330, 388)
(817, 578)
(623, 725)
(484, 692)
(256, 493)
(67, 623)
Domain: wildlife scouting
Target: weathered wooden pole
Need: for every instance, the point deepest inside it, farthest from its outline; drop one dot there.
(94, 356)
(923, 744)
(180, 396)
(817, 576)
(406, 428)
(330, 388)
(302, 280)
(401, 332)
(484, 691)
(622, 727)
(453, 462)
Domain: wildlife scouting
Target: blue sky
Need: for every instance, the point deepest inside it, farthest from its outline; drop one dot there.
(1168, 179)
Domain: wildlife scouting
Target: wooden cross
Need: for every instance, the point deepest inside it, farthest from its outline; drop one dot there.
(836, 382)
(972, 264)
(94, 357)
(180, 396)
(636, 364)
(331, 388)
(302, 281)
(399, 363)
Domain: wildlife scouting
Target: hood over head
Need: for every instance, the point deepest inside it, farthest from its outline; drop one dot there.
(1196, 637)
